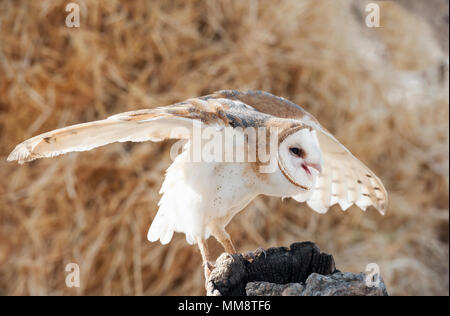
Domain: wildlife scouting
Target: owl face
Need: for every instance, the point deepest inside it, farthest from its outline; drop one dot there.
(300, 158)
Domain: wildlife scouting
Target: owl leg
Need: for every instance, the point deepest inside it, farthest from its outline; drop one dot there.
(206, 257)
(223, 237)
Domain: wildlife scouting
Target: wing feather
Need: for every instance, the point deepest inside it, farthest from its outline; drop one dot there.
(363, 187)
(173, 121)
(86, 136)
(157, 124)
(345, 179)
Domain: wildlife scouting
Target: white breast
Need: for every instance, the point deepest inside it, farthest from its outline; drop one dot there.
(197, 193)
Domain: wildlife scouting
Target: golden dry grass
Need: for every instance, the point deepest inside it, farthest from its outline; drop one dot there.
(383, 92)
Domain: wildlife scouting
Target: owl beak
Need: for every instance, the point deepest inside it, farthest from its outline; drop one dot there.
(316, 166)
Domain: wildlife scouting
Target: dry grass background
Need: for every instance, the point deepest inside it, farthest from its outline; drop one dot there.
(383, 92)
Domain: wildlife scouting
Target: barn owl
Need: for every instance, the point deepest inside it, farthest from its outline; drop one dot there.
(200, 198)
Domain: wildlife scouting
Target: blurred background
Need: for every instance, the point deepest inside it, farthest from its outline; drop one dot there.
(382, 91)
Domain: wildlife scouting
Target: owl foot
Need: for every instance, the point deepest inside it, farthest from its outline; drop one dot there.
(259, 251)
(208, 266)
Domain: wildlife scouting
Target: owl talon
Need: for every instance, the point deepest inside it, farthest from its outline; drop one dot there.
(250, 256)
(228, 255)
(260, 250)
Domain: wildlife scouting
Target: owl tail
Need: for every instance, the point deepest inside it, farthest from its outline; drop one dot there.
(160, 229)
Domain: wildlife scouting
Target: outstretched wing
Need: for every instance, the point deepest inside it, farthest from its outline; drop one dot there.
(345, 179)
(86, 136)
(173, 121)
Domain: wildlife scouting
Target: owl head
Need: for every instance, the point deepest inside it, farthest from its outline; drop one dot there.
(300, 157)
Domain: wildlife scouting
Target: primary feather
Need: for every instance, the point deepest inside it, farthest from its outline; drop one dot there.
(83, 137)
(345, 180)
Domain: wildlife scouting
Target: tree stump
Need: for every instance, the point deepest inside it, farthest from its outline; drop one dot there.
(300, 270)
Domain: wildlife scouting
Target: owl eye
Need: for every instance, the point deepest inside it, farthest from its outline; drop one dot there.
(297, 151)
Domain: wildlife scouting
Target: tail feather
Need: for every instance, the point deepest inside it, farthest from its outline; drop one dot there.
(160, 229)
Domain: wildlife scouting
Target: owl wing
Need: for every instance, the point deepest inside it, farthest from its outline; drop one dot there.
(173, 121)
(345, 180)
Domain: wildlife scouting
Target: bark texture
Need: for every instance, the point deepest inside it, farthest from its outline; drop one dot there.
(300, 270)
